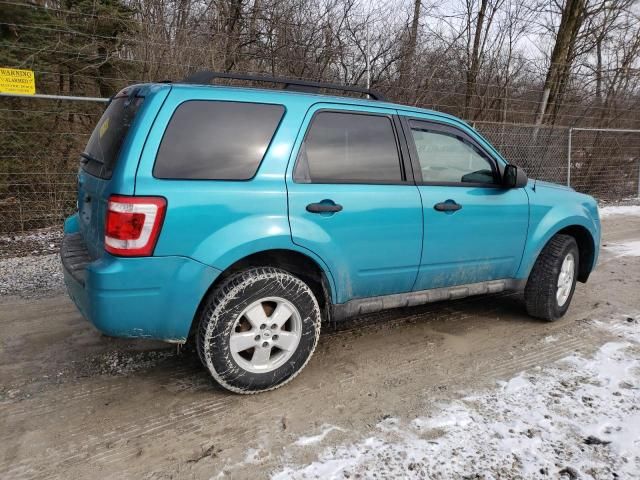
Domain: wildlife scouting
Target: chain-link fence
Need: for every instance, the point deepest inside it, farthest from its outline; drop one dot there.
(541, 151)
(41, 140)
(604, 163)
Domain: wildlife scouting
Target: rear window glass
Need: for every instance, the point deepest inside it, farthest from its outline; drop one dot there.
(215, 140)
(101, 153)
(349, 147)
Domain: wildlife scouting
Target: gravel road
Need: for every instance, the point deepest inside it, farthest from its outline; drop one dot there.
(32, 276)
(380, 394)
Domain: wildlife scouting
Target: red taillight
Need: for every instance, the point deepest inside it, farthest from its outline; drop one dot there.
(133, 224)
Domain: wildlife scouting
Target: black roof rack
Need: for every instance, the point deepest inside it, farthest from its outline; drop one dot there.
(205, 77)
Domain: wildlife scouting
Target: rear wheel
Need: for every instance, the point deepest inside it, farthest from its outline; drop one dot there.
(552, 281)
(258, 330)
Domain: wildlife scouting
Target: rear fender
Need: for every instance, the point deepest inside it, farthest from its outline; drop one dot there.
(251, 235)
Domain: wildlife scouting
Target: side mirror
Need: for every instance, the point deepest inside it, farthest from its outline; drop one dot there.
(514, 177)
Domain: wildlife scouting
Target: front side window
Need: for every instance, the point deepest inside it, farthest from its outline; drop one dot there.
(349, 148)
(216, 140)
(447, 158)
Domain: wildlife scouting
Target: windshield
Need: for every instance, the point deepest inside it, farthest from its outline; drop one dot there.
(101, 153)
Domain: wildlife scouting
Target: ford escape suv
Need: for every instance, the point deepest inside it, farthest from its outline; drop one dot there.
(246, 217)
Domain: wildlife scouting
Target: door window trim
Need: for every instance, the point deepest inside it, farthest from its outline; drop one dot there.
(446, 128)
(406, 170)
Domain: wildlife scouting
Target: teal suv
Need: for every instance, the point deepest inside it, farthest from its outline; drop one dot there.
(246, 217)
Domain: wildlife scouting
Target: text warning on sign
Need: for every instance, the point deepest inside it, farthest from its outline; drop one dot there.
(16, 81)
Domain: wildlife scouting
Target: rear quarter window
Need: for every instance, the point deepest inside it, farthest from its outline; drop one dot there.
(101, 153)
(216, 140)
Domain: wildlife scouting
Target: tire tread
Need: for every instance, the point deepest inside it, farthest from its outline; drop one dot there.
(228, 291)
(540, 291)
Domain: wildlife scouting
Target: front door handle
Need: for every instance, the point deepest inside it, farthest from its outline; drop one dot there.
(448, 206)
(324, 207)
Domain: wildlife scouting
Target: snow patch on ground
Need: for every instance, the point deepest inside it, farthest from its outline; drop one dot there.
(578, 418)
(326, 430)
(627, 249)
(619, 210)
(254, 455)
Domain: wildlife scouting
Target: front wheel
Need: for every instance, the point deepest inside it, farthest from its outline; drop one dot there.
(552, 280)
(258, 330)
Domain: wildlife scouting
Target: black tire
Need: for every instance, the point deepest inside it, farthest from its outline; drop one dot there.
(542, 285)
(223, 308)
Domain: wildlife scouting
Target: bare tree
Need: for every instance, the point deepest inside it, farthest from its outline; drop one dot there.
(572, 17)
(478, 25)
(409, 47)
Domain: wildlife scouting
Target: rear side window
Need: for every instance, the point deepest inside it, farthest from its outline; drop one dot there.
(101, 153)
(349, 148)
(213, 140)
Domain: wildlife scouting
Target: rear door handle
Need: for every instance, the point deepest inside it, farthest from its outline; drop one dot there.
(324, 207)
(448, 206)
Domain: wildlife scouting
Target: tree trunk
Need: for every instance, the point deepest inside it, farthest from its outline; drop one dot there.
(474, 64)
(410, 46)
(573, 14)
(599, 70)
(232, 30)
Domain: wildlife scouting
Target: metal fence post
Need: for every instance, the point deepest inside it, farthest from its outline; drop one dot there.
(21, 217)
(569, 159)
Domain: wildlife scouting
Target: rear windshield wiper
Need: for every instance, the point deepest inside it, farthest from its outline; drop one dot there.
(87, 157)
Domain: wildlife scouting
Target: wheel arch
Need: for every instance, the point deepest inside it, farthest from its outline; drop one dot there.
(583, 236)
(586, 249)
(298, 263)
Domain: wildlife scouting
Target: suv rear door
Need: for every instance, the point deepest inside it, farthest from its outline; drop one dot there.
(110, 159)
(97, 164)
(352, 201)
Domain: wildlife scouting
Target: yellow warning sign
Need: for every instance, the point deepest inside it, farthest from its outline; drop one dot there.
(13, 80)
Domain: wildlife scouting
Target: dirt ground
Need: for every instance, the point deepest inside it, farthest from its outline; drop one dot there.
(75, 404)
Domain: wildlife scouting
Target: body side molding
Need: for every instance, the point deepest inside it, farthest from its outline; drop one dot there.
(362, 306)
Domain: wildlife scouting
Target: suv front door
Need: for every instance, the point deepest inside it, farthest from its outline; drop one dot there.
(474, 229)
(351, 201)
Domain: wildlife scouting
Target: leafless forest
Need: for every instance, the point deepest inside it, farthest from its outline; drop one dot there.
(546, 65)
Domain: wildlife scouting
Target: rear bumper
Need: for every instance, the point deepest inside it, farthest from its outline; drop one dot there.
(149, 297)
